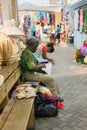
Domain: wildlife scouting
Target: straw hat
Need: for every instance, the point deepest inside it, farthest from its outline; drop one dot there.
(9, 50)
(10, 29)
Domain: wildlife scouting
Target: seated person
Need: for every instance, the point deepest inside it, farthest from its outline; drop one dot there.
(30, 68)
(42, 51)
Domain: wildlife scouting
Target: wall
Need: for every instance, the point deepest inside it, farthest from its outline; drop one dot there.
(57, 18)
(33, 1)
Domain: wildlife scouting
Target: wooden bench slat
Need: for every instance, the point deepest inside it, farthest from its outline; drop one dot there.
(6, 112)
(6, 70)
(6, 87)
(19, 115)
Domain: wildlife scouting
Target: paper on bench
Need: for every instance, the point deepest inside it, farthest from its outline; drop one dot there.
(25, 92)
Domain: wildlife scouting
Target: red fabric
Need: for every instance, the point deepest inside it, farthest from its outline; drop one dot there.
(44, 48)
(60, 105)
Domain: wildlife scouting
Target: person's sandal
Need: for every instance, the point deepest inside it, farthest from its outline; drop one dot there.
(59, 99)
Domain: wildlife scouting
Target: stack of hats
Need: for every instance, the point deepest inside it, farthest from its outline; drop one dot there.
(9, 28)
(9, 50)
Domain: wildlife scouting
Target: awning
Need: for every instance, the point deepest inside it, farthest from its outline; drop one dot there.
(31, 7)
(79, 4)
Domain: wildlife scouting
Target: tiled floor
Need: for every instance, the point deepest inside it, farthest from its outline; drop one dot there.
(72, 80)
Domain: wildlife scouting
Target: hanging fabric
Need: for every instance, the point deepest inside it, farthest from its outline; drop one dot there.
(79, 20)
(85, 26)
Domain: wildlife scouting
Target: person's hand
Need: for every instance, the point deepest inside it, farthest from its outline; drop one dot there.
(42, 65)
(39, 66)
(52, 61)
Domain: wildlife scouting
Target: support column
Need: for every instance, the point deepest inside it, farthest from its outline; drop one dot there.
(57, 18)
(66, 1)
(0, 14)
(14, 10)
(53, 1)
(5, 6)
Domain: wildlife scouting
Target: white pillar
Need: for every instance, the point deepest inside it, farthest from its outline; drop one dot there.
(15, 10)
(53, 1)
(5, 10)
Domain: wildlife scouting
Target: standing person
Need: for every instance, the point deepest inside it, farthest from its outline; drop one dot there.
(58, 33)
(30, 68)
(38, 31)
(25, 30)
(33, 30)
(52, 37)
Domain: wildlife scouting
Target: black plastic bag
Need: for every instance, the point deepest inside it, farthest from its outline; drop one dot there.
(40, 98)
(43, 108)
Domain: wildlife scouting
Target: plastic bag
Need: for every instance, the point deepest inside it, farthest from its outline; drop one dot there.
(43, 108)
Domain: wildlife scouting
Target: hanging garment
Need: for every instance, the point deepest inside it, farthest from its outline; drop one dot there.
(81, 11)
(79, 20)
(85, 25)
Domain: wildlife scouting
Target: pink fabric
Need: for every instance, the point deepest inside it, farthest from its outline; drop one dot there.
(84, 45)
(84, 50)
(50, 98)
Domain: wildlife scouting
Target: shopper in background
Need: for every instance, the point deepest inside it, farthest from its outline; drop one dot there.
(58, 33)
(33, 30)
(38, 31)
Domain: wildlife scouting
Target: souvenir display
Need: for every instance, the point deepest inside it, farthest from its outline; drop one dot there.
(10, 47)
(85, 25)
(80, 55)
(9, 28)
(84, 48)
(82, 19)
(9, 51)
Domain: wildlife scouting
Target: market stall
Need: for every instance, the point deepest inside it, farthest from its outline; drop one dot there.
(34, 14)
(80, 23)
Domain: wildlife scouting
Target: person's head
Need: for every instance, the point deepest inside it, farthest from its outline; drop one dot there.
(50, 47)
(38, 22)
(32, 43)
(48, 24)
(58, 25)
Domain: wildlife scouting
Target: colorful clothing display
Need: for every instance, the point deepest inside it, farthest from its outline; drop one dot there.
(82, 19)
(85, 25)
(84, 49)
